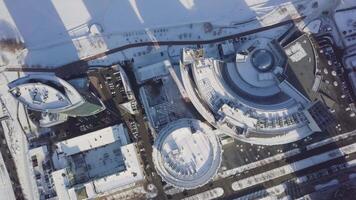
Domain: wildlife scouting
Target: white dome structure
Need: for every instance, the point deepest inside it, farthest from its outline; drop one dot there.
(187, 153)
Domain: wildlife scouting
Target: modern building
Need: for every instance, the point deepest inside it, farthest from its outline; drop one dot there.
(187, 153)
(50, 94)
(250, 99)
(96, 163)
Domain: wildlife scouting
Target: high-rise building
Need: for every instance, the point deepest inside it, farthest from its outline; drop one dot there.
(251, 98)
(50, 94)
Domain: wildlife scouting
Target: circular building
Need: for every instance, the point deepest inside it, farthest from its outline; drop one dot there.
(187, 153)
(250, 98)
(262, 60)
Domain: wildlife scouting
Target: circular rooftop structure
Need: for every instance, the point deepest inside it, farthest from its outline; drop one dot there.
(250, 98)
(262, 60)
(187, 153)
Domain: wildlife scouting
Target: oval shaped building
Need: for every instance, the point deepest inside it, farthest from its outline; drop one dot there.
(48, 93)
(187, 153)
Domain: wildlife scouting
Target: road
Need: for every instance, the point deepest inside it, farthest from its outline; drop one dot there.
(69, 67)
(226, 182)
(285, 178)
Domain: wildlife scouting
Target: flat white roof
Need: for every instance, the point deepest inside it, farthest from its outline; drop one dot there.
(151, 71)
(93, 140)
(60, 184)
(120, 180)
(132, 174)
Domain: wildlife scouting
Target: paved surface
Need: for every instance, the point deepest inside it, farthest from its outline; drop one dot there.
(145, 141)
(143, 138)
(81, 65)
(226, 183)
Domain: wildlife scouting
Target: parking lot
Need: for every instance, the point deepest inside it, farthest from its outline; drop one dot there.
(336, 85)
(109, 87)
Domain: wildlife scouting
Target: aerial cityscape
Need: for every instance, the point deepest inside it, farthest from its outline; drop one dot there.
(178, 100)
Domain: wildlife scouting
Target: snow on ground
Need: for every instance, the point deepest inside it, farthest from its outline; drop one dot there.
(284, 155)
(67, 19)
(7, 25)
(346, 4)
(293, 167)
(6, 190)
(16, 139)
(118, 16)
(271, 193)
(207, 195)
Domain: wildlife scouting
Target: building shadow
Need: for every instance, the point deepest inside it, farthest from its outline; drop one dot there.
(40, 25)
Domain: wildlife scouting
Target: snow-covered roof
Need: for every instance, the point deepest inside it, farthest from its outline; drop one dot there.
(51, 119)
(295, 52)
(93, 140)
(44, 92)
(132, 173)
(187, 153)
(152, 71)
(114, 178)
(6, 190)
(61, 182)
(39, 96)
(247, 103)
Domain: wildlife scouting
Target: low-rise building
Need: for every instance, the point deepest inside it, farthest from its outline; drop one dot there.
(96, 163)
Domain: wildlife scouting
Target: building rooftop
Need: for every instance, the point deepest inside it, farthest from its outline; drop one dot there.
(40, 96)
(163, 102)
(95, 163)
(44, 92)
(187, 153)
(93, 140)
(48, 93)
(152, 71)
(244, 102)
(262, 60)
